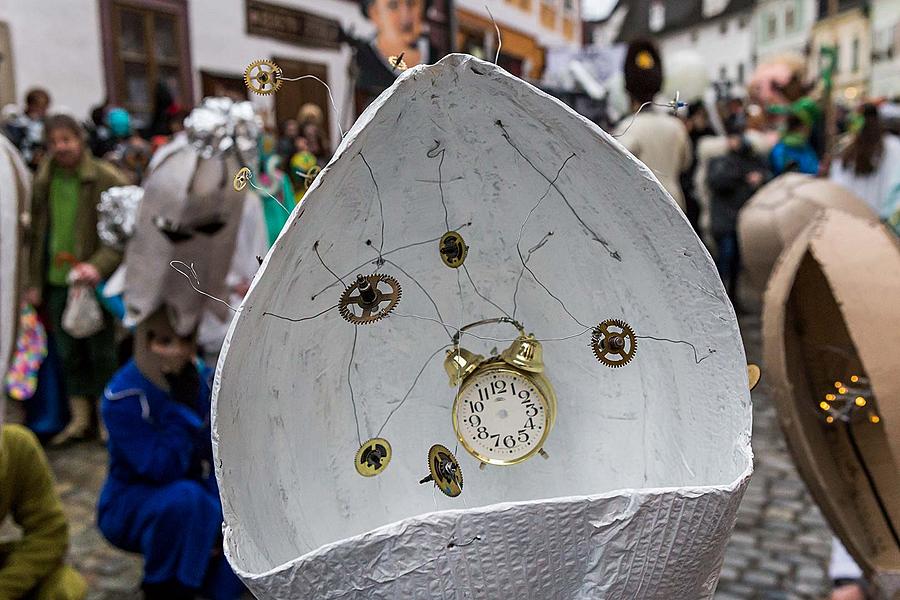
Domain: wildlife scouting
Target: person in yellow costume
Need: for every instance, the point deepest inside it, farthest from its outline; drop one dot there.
(32, 567)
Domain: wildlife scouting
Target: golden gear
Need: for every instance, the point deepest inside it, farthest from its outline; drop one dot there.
(754, 374)
(241, 179)
(397, 62)
(614, 343)
(444, 471)
(369, 298)
(453, 249)
(373, 457)
(263, 77)
(310, 176)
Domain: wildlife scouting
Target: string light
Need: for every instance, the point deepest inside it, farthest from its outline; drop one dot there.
(829, 419)
(830, 397)
(824, 405)
(842, 390)
(873, 418)
(854, 378)
(838, 385)
(860, 401)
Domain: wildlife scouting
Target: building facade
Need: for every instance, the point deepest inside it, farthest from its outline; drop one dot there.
(885, 18)
(782, 27)
(849, 31)
(85, 52)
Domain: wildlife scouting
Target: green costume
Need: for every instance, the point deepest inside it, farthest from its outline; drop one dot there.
(33, 566)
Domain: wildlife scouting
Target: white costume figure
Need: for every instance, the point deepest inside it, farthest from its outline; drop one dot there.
(343, 333)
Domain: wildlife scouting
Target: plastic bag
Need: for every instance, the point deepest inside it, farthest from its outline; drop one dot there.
(82, 316)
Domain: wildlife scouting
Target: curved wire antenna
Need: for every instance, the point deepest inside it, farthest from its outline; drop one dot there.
(499, 37)
(330, 97)
(267, 193)
(191, 275)
(674, 105)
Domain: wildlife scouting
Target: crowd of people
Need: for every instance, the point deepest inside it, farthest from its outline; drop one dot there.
(160, 498)
(712, 176)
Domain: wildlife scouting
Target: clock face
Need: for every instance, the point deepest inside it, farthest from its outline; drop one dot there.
(500, 416)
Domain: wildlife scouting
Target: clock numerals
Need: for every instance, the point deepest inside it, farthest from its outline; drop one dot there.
(476, 407)
(525, 395)
(474, 420)
(523, 435)
(482, 433)
(528, 410)
(483, 394)
(498, 387)
(529, 423)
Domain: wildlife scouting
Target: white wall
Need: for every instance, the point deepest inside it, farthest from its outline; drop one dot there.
(219, 43)
(56, 45)
(728, 49)
(784, 40)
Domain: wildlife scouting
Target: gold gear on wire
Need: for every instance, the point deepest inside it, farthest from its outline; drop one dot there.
(397, 62)
(445, 471)
(263, 77)
(614, 343)
(453, 249)
(310, 176)
(373, 457)
(241, 178)
(373, 296)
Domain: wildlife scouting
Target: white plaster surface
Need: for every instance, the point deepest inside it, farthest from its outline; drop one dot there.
(647, 463)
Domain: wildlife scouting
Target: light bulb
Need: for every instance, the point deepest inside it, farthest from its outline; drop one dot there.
(860, 401)
(830, 397)
(838, 384)
(874, 418)
(842, 390)
(824, 405)
(829, 419)
(854, 378)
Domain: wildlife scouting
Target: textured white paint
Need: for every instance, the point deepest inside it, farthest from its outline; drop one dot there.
(647, 462)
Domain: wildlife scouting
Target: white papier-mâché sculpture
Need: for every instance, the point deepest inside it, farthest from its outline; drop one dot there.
(646, 463)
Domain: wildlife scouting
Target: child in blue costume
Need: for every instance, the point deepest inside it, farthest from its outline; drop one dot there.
(160, 498)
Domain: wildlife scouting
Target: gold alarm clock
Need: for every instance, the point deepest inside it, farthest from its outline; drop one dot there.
(505, 405)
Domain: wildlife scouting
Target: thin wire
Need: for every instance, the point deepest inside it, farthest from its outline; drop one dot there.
(499, 37)
(486, 338)
(433, 153)
(488, 300)
(380, 205)
(697, 358)
(266, 192)
(299, 319)
(192, 278)
(330, 97)
(316, 249)
(675, 104)
(350, 383)
(437, 310)
(409, 391)
(398, 249)
(531, 251)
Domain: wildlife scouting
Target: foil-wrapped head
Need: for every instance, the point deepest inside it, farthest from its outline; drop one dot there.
(117, 213)
(219, 124)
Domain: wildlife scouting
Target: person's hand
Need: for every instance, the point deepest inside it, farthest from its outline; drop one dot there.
(32, 296)
(86, 274)
(755, 178)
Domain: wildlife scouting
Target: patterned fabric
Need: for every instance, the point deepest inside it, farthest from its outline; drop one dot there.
(31, 350)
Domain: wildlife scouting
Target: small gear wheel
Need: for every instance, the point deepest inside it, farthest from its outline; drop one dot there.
(397, 62)
(444, 471)
(310, 176)
(614, 343)
(241, 179)
(453, 249)
(373, 457)
(263, 77)
(369, 298)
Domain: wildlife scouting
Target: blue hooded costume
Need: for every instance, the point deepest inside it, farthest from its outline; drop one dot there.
(160, 498)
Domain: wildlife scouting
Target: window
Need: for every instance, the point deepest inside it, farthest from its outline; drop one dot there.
(568, 5)
(146, 47)
(723, 73)
(723, 27)
(657, 17)
(771, 27)
(854, 59)
(790, 19)
(695, 35)
(742, 22)
(740, 73)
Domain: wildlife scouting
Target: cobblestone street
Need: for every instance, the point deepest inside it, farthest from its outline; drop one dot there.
(779, 550)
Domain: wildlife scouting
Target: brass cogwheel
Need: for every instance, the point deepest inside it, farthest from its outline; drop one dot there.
(263, 77)
(754, 374)
(369, 298)
(373, 457)
(444, 471)
(453, 249)
(310, 176)
(614, 343)
(397, 62)
(241, 179)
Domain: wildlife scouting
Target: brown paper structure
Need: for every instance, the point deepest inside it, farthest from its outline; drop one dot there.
(831, 313)
(779, 211)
